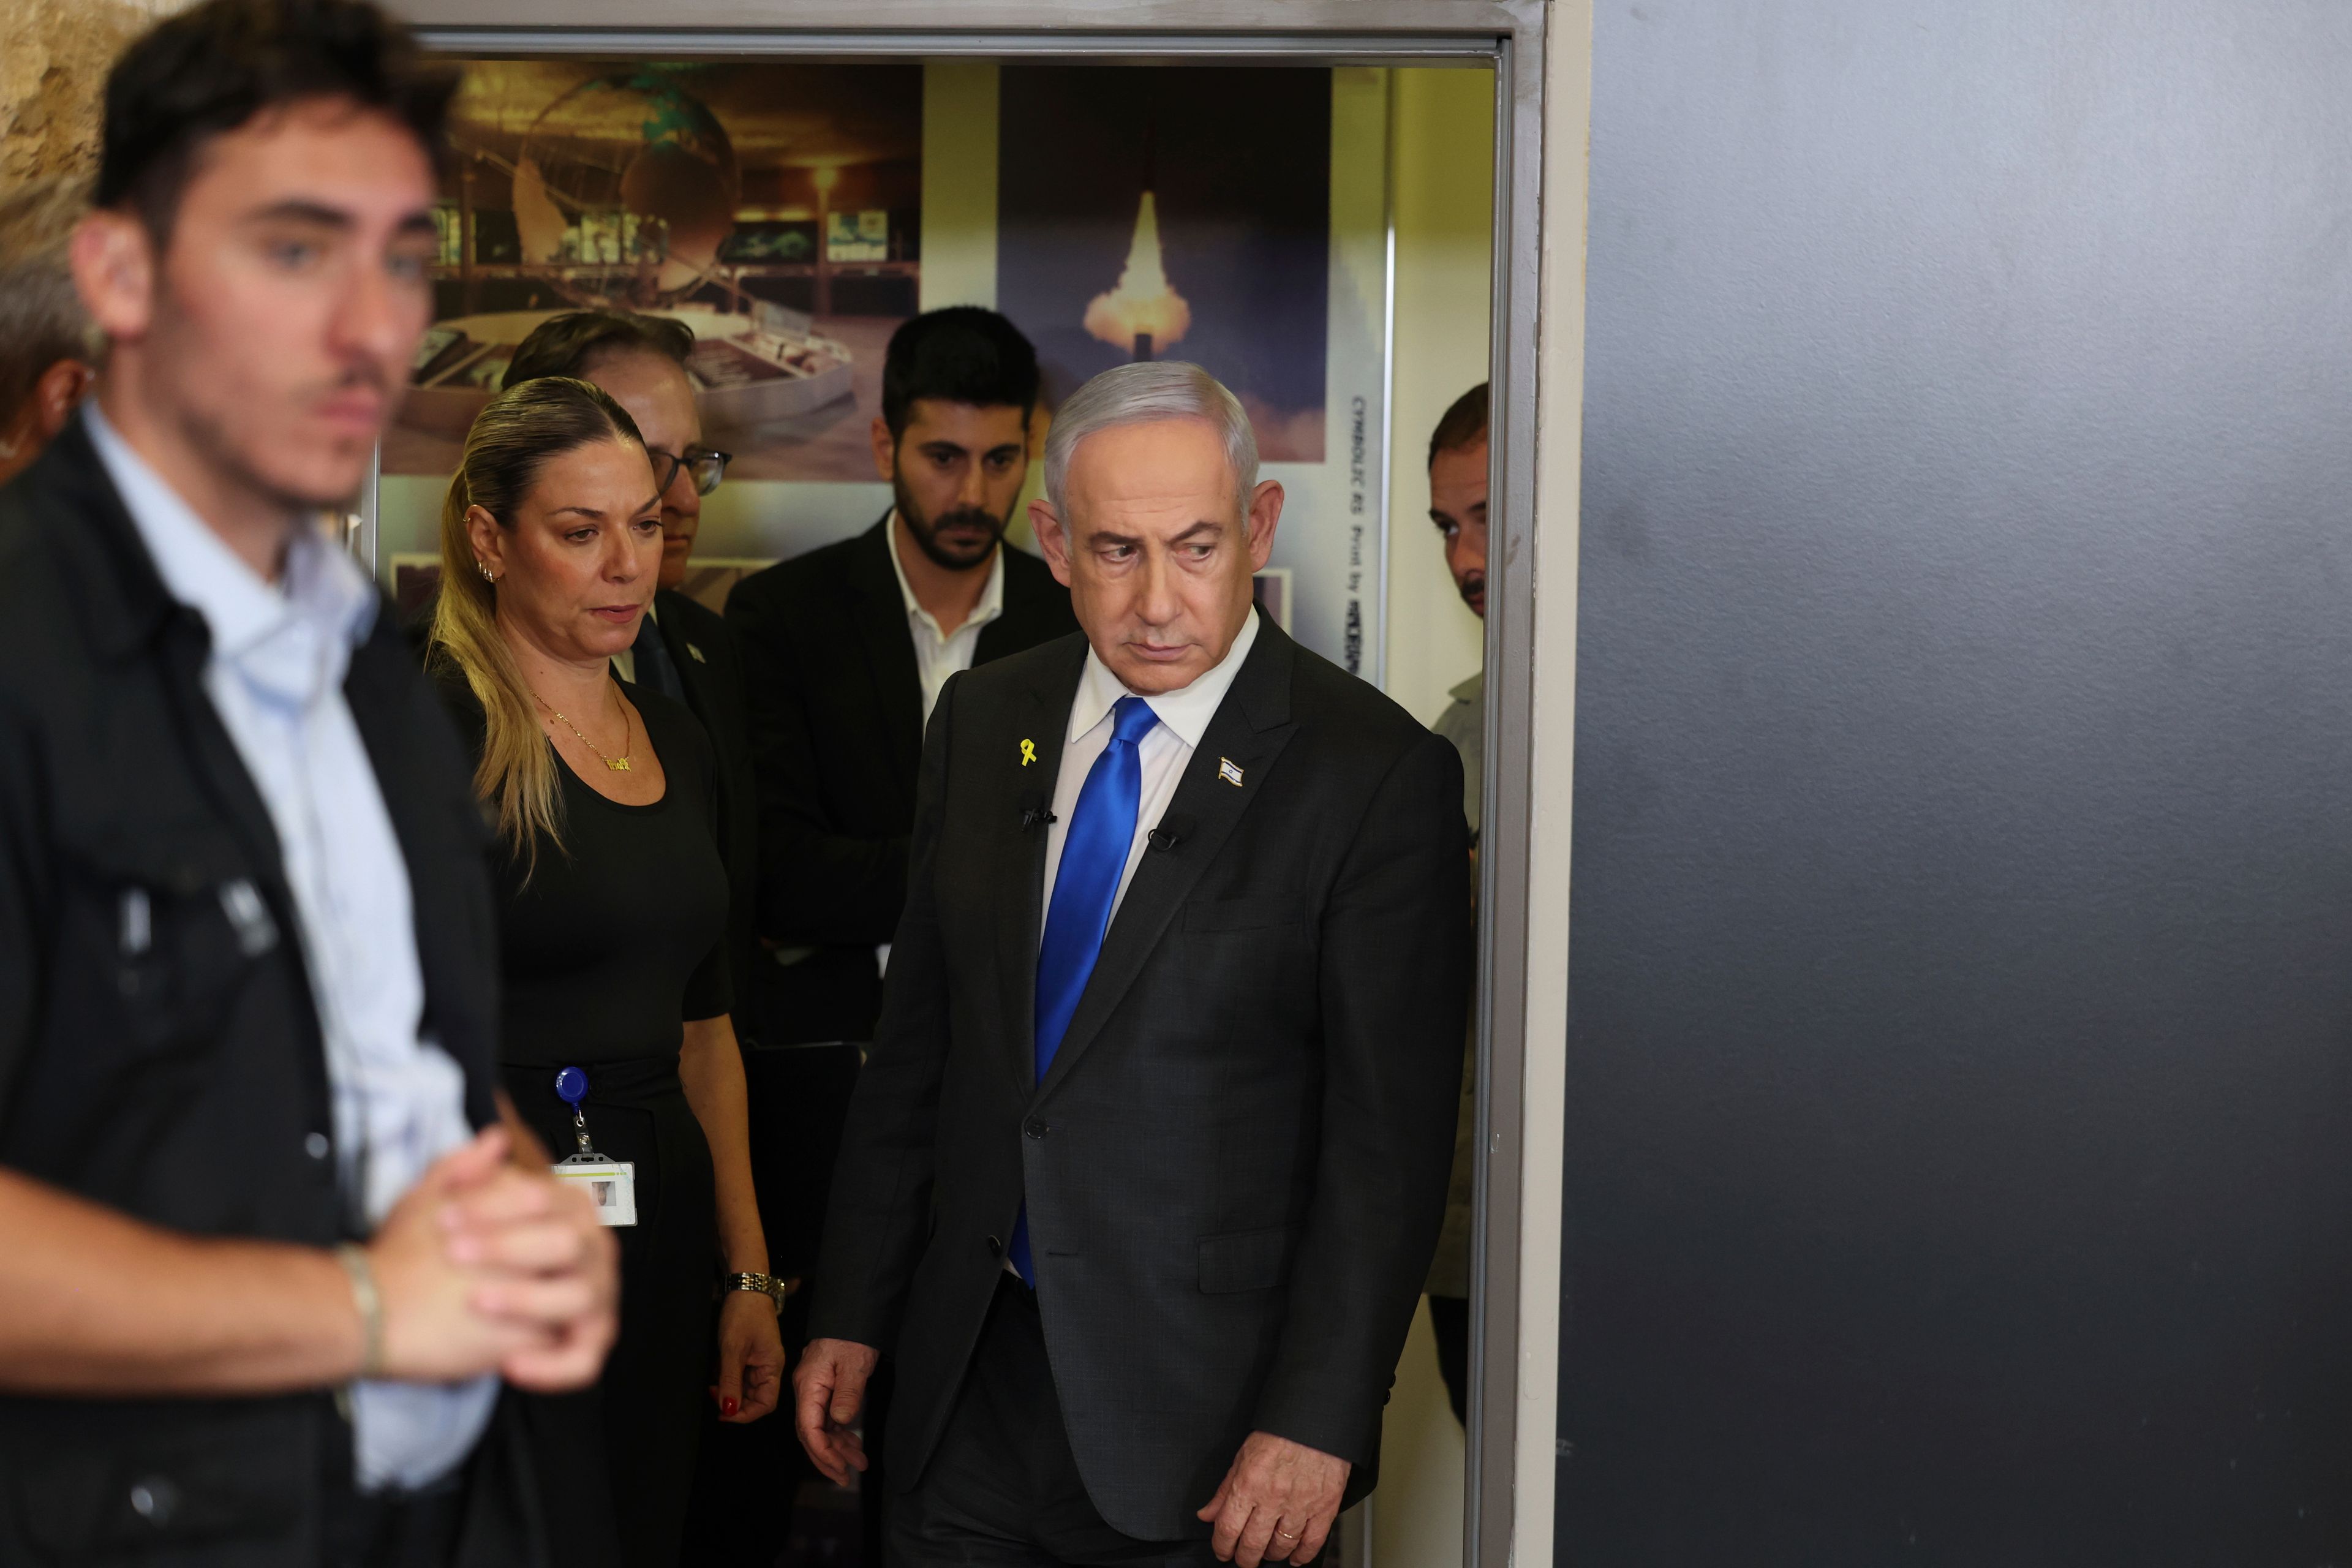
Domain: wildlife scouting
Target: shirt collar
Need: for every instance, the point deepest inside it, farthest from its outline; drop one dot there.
(991, 592)
(322, 584)
(1186, 711)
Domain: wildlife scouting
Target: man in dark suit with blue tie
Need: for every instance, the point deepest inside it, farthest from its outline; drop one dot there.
(1148, 1160)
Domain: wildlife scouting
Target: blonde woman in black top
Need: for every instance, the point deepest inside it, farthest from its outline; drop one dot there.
(613, 926)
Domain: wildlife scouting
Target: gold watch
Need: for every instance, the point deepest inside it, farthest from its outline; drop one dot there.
(767, 1285)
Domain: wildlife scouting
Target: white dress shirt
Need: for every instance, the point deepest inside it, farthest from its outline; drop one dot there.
(275, 676)
(938, 655)
(1183, 718)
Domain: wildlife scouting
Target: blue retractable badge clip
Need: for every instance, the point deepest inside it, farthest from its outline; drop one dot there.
(571, 1087)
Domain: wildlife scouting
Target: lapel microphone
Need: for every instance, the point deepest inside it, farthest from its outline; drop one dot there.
(1037, 809)
(1172, 831)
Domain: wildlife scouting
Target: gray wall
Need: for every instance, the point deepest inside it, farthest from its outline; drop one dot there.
(1959, 1130)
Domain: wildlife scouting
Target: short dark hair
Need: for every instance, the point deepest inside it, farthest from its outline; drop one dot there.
(963, 354)
(1463, 424)
(209, 71)
(570, 343)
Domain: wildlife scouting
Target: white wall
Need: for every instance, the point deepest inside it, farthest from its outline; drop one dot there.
(1441, 129)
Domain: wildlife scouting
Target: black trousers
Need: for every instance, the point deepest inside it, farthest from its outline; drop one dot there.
(1002, 1489)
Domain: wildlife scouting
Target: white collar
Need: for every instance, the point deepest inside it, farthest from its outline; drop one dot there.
(991, 592)
(1186, 710)
(322, 584)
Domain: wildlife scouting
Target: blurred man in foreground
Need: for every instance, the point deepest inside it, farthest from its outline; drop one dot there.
(271, 1246)
(48, 350)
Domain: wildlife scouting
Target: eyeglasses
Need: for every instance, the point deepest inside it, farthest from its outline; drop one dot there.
(706, 468)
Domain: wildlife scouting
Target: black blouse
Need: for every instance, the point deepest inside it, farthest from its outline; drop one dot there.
(614, 938)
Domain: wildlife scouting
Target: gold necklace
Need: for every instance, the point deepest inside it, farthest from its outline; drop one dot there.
(619, 764)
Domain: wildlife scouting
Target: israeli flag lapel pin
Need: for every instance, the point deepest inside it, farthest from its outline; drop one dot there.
(1228, 772)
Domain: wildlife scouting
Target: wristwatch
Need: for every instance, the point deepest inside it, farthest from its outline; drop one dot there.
(767, 1285)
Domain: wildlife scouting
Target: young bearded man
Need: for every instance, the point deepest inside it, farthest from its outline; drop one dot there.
(846, 648)
(271, 1248)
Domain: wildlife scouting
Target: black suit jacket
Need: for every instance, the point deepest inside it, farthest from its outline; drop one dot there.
(1237, 1167)
(178, 1075)
(711, 672)
(836, 708)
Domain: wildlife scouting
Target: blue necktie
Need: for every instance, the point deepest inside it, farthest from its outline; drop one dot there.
(1094, 855)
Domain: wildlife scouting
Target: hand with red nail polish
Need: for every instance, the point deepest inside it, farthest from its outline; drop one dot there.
(751, 1357)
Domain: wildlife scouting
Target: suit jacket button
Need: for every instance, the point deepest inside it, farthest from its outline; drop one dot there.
(995, 1247)
(1034, 1128)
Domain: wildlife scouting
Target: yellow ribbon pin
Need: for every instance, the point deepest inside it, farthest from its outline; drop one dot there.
(1028, 753)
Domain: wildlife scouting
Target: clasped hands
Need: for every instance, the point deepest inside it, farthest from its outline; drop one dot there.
(489, 1264)
(1276, 1503)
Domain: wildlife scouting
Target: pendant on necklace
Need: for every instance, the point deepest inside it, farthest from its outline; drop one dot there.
(618, 764)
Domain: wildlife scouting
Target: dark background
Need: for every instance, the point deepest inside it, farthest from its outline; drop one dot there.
(1959, 1154)
(1242, 164)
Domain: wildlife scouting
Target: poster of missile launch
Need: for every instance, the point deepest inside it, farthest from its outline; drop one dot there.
(1200, 212)
(1173, 214)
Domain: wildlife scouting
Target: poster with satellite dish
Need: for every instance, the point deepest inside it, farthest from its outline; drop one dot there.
(776, 209)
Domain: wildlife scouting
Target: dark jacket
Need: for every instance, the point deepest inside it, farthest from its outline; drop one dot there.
(836, 708)
(1235, 1168)
(183, 1080)
(711, 672)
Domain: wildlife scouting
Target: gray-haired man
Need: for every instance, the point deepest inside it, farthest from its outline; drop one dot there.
(1148, 1163)
(48, 348)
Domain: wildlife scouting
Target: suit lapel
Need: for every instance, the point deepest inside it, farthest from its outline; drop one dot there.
(1251, 728)
(1041, 714)
(890, 653)
(692, 676)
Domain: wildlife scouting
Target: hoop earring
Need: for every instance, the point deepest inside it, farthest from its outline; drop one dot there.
(489, 575)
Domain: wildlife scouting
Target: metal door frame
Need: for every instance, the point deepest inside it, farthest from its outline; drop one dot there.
(1507, 35)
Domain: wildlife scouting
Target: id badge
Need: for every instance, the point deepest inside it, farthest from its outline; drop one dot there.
(612, 1184)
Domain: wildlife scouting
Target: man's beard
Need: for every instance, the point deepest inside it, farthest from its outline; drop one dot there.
(1473, 589)
(925, 530)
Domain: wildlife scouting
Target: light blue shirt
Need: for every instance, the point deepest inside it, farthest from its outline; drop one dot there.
(276, 677)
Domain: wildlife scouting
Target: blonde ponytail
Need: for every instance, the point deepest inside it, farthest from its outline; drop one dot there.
(515, 435)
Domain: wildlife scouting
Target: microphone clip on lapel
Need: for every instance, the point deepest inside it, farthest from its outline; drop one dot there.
(1172, 831)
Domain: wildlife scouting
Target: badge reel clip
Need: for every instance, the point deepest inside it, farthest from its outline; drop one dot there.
(613, 1183)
